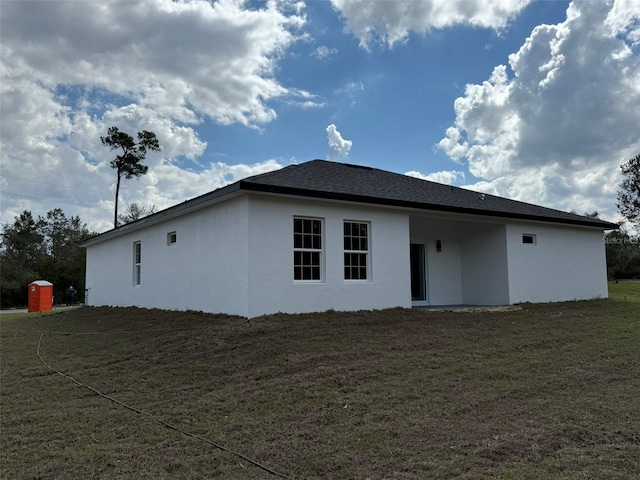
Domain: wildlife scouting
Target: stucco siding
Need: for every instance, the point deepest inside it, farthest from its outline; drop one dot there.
(271, 284)
(564, 263)
(444, 269)
(484, 266)
(109, 273)
(444, 273)
(236, 257)
(205, 269)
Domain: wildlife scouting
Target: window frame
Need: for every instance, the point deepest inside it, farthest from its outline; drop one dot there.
(137, 263)
(172, 238)
(304, 245)
(359, 251)
(531, 236)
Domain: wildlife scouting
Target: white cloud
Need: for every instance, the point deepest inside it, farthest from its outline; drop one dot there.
(555, 128)
(70, 70)
(391, 22)
(184, 59)
(338, 147)
(176, 140)
(51, 169)
(351, 88)
(350, 93)
(309, 104)
(323, 52)
(453, 144)
(167, 184)
(623, 19)
(447, 177)
(303, 99)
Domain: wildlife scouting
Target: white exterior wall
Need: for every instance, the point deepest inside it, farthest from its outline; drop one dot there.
(206, 269)
(236, 257)
(271, 285)
(566, 263)
(484, 267)
(444, 270)
(444, 273)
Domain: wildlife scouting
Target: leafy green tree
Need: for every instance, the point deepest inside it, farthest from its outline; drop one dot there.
(65, 259)
(623, 255)
(24, 239)
(629, 193)
(21, 253)
(44, 248)
(128, 163)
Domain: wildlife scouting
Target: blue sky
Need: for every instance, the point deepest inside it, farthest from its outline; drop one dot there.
(394, 104)
(533, 100)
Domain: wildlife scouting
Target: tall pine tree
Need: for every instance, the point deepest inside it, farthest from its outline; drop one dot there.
(128, 163)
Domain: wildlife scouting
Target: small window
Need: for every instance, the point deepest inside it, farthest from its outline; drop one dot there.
(356, 251)
(137, 264)
(307, 249)
(172, 238)
(528, 239)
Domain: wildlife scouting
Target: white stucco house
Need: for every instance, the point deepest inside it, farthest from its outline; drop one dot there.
(324, 235)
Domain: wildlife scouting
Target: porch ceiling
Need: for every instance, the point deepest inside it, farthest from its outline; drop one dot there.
(426, 226)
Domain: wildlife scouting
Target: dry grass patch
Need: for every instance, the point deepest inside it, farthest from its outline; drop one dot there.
(544, 391)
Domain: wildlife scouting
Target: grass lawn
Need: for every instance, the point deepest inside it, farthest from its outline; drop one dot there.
(543, 392)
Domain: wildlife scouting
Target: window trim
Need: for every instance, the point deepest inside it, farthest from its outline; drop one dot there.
(302, 249)
(366, 252)
(137, 263)
(529, 236)
(172, 238)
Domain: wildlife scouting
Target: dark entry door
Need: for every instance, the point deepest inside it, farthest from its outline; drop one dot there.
(418, 260)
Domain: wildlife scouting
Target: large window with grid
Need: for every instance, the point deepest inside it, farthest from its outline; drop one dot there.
(356, 250)
(307, 249)
(137, 263)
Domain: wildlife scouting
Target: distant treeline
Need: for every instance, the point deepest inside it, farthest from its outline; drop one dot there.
(46, 248)
(623, 255)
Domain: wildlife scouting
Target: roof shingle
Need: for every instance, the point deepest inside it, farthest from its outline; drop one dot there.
(340, 181)
(354, 183)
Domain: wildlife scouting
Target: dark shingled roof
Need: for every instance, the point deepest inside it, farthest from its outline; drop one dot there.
(341, 181)
(354, 183)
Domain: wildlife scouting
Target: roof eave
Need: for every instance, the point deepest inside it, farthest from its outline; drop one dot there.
(265, 188)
